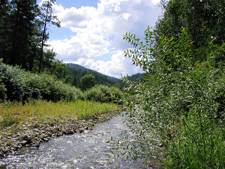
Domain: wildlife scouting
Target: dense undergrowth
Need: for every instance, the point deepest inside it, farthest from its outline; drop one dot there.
(178, 110)
(29, 97)
(20, 85)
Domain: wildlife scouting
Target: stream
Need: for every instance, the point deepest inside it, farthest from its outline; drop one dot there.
(91, 149)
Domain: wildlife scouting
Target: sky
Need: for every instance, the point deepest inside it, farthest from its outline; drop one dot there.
(91, 32)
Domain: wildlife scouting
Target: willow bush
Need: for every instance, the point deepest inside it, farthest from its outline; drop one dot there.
(177, 112)
(103, 93)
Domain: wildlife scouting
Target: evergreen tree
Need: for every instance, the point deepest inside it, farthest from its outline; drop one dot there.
(46, 17)
(22, 24)
(5, 7)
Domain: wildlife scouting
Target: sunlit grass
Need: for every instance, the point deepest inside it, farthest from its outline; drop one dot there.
(38, 110)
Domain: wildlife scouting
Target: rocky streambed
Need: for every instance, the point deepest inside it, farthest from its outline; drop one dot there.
(14, 138)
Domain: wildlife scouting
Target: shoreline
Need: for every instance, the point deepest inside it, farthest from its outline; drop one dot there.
(33, 134)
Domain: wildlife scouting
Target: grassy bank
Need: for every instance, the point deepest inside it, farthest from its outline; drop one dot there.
(13, 114)
(35, 122)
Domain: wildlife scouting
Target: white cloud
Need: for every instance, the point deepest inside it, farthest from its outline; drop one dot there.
(82, 45)
(99, 30)
(115, 67)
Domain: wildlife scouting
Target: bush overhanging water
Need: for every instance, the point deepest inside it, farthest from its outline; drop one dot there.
(177, 112)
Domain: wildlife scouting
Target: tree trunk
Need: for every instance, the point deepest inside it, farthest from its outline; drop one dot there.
(42, 42)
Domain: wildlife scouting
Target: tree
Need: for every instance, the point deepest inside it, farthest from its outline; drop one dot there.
(17, 25)
(46, 17)
(4, 29)
(57, 69)
(74, 81)
(22, 25)
(23, 33)
(87, 81)
(203, 21)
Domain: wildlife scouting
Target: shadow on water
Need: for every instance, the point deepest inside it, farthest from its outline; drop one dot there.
(91, 149)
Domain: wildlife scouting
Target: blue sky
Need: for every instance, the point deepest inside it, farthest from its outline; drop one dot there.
(91, 32)
(75, 3)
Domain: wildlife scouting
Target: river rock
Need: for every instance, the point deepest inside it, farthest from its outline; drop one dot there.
(59, 134)
(5, 150)
(27, 138)
(35, 144)
(69, 131)
(23, 143)
(43, 135)
(81, 130)
(36, 125)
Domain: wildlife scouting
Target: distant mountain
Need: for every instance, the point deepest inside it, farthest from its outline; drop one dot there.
(76, 66)
(137, 76)
(77, 72)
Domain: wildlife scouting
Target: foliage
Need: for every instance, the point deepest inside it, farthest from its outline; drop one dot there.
(87, 81)
(203, 19)
(102, 93)
(57, 69)
(46, 18)
(19, 85)
(23, 33)
(177, 113)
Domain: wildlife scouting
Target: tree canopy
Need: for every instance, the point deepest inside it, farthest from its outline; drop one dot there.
(204, 21)
(23, 33)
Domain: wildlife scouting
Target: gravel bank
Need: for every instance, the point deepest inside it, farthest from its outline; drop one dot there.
(14, 137)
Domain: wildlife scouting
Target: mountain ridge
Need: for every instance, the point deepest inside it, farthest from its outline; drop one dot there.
(76, 66)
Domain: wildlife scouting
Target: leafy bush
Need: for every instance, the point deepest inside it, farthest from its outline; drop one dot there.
(13, 81)
(179, 117)
(103, 93)
(19, 85)
(2, 86)
(87, 82)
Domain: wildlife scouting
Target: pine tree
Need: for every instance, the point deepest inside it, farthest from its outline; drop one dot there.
(46, 18)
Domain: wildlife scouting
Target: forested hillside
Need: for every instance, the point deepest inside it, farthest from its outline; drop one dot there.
(76, 72)
(138, 76)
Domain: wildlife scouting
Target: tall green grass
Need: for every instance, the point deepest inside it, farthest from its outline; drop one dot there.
(38, 110)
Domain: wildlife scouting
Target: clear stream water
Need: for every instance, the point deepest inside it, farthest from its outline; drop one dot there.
(90, 149)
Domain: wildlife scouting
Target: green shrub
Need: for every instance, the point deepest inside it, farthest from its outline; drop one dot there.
(87, 81)
(2, 85)
(180, 116)
(19, 85)
(14, 82)
(103, 93)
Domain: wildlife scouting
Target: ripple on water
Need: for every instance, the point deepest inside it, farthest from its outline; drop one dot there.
(90, 149)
